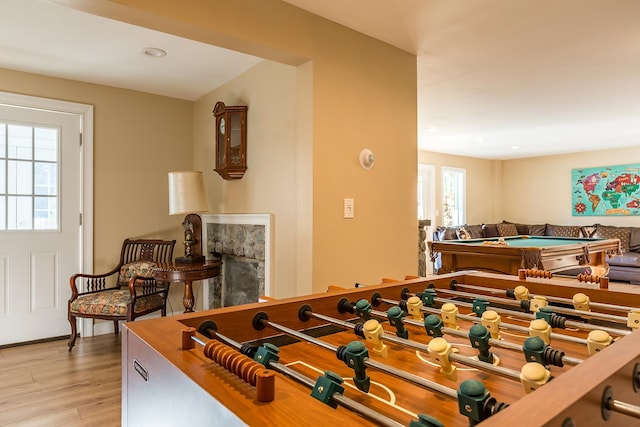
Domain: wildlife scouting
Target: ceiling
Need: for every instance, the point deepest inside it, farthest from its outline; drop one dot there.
(43, 37)
(497, 79)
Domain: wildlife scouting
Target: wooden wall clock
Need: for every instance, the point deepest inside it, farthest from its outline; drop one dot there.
(231, 140)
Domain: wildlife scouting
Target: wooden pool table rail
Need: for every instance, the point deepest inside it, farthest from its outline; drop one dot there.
(508, 259)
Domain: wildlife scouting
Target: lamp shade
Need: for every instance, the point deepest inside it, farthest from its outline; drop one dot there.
(186, 193)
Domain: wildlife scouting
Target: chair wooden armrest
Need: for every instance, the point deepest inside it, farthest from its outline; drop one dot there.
(147, 295)
(93, 282)
(140, 286)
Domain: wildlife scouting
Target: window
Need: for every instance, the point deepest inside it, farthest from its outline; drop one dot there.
(453, 196)
(28, 177)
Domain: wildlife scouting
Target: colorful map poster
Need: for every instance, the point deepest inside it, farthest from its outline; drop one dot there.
(606, 191)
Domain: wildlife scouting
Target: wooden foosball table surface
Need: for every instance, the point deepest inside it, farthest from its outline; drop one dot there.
(343, 341)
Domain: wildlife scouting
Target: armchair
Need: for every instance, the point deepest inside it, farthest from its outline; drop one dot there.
(127, 291)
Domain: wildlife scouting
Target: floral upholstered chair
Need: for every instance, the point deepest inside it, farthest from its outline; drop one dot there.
(127, 291)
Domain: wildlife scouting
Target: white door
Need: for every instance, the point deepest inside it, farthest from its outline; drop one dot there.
(41, 195)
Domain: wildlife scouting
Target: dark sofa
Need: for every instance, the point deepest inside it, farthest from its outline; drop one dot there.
(625, 267)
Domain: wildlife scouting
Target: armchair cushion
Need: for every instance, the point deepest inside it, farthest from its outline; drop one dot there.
(137, 268)
(113, 303)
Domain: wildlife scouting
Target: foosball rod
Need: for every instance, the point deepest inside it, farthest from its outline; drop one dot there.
(456, 332)
(338, 398)
(578, 325)
(474, 319)
(415, 379)
(610, 404)
(478, 364)
(529, 316)
(462, 334)
(550, 298)
(492, 341)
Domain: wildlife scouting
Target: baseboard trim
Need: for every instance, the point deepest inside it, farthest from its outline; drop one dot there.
(42, 340)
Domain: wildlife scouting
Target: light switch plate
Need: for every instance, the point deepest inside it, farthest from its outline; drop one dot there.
(348, 208)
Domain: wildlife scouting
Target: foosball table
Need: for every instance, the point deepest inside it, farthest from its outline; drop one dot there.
(455, 350)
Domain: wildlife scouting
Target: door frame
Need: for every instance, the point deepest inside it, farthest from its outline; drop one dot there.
(428, 172)
(85, 111)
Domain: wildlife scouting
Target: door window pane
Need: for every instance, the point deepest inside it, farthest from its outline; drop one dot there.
(46, 213)
(20, 213)
(46, 177)
(29, 177)
(20, 142)
(19, 178)
(46, 144)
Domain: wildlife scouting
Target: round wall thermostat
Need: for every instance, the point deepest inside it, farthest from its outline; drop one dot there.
(367, 158)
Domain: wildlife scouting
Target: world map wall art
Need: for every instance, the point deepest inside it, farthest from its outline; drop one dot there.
(606, 191)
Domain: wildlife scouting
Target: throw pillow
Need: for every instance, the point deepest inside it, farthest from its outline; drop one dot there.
(439, 233)
(446, 233)
(634, 240)
(587, 231)
(522, 229)
(450, 233)
(463, 233)
(563, 230)
(475, 231)
(490, 230)
(537, 230)
(610, 232)
(507, 230)
(137, 268)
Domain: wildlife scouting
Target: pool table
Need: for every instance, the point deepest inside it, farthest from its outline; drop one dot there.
(559, 255)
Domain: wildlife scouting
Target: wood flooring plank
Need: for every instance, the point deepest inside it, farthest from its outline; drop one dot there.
(52, 418)
(44, 384)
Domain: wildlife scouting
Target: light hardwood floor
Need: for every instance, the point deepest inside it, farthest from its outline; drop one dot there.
(45, 385)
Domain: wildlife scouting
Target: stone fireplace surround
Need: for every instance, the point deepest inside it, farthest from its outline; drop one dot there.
(243, 243)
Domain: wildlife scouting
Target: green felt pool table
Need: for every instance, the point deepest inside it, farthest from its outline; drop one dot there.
(559, 255)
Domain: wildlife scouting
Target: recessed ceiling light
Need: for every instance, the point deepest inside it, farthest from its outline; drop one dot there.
(153, 52)
(515, 147)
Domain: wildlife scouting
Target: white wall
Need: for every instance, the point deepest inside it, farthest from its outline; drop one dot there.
(269, 184)
(538, 190)
(535, 190)
(484, 189)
